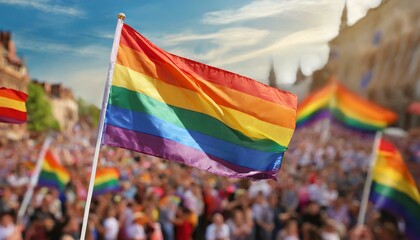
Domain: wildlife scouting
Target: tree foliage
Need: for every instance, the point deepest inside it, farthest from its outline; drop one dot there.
(40, 117)
(88, 112)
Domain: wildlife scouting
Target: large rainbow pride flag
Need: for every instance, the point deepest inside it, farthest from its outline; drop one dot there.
(106, 180)
(181, 110)
(394, 189)
(53, 174)
(335, 100)
(12, 106)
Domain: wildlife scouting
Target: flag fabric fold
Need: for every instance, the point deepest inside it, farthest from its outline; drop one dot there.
(53, 174)
(12, 106)
(185, 111)
(394, 189)
(337, 102)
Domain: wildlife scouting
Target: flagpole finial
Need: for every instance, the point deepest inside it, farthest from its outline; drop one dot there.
(121, 16)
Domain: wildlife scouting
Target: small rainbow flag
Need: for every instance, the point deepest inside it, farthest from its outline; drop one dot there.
(53, 174)
(335, 100)
(315, 106)
(394, 189)
(106, 180)
(12, 106)
(185, 111)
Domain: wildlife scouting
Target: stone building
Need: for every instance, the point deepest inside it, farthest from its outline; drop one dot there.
(379, 57)
(13, 74)
(63, 104)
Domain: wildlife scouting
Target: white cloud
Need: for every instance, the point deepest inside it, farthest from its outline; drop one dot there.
(254, 10)
(50, 47)
(105, 35)
(46, 6)
(357, 9)
(295, 33)
(225, 41)
(231, 36)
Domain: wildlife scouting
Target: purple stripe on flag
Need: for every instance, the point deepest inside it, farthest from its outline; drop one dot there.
(167, 149)
(10, 120)
(47, 183)
(315, 117)
(110, 189)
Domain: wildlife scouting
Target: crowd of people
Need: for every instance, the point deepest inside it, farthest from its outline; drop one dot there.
(316, 196)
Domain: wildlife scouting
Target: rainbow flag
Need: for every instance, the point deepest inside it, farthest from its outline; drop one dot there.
(335, 100)
(53, 174)
(315, 106)
(394, 189)
(12, 106)
(106, 180)
(181, 110)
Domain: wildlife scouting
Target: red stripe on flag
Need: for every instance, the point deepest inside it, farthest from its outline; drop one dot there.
(209, 73)
(13, 94)
(13, 114)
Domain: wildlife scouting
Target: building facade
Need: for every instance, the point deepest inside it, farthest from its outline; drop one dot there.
(64, 106)
(13, 74)
(379, 57)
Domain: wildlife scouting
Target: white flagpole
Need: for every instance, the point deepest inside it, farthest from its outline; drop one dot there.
(112, 61)
(368, 182)
(34, 180)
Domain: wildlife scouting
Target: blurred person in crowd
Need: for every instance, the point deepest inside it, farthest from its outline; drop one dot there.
(259, 187)
(238, 227)
(67, 237)
(290, 230)
(153, 228)
(136, 229)
(386, 231)
(48, 204)
(71, 227)
(263, 217)
(110, 224)
(312, 215)
(353, 212)
(339, 212)
(8, 200)
(212, 199)
(242, 203)
(7, 225)
(329, 230)
(183, 226)
(168, 206)
(41, 227)
(360, 233)
(329, 194)
(92, 233)
(19, 177)
(278, 212)
(218, 230)
(311, 232)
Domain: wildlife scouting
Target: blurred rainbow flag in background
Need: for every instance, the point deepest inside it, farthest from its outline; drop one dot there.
(53, 174)
(394, 189)
(12, 106)
(336, 101)
(106, 180)
(181, 110)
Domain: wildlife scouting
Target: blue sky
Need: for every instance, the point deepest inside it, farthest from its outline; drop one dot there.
(70, 41)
